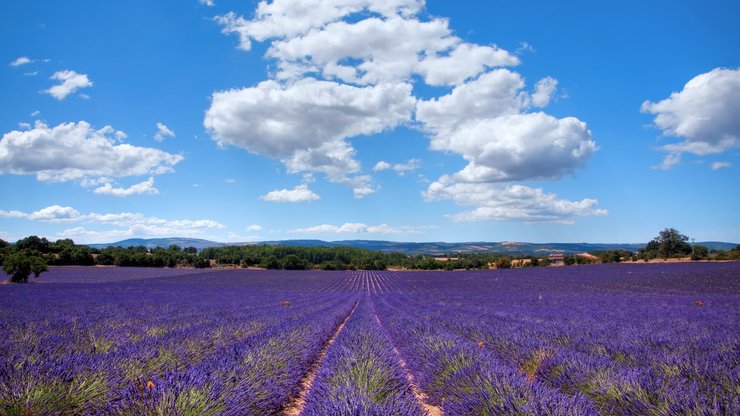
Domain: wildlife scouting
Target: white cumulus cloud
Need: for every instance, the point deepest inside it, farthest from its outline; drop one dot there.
(495, 93)
(12, 214)
(276, 120)
(300, 193)
(401, 168)
(519, 147)
(77, 151)
(289, 18)
(209, 3)
(143, 188)
(382, 165)
(54, 213)
(505, 202)
(704, 114)
(71, 81)
(254, 228)
(305, 124)
(129, 224)
(347, 68)
(386, 50)
(23, 60)
(163, 132)
(464, 61)
(543, 91)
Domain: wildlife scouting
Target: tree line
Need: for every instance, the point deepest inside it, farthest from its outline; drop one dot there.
(32, 255)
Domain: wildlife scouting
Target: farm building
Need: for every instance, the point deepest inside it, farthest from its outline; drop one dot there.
(556, 258)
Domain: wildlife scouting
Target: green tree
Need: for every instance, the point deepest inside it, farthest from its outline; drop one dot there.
(20, 265)
(271, 262)
(699, 253)
(734, 254)
(33, 243)
(673, 243)
(668, 243)
(4, 250)
(293, 262)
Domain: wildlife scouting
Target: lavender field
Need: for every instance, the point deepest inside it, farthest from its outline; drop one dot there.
(639, 339)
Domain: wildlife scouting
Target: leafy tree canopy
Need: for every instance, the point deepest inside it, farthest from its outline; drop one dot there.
(669, 243)
(20, 264)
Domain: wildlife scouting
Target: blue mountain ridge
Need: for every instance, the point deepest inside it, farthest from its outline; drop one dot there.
(412, 248)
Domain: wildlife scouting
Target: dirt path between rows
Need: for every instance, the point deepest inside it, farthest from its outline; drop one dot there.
(421, 397)
(295, 406)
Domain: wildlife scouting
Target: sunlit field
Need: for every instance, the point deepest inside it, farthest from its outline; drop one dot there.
(638, 339)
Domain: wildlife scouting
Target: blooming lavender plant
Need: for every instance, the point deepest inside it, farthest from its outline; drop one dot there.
(627, 339)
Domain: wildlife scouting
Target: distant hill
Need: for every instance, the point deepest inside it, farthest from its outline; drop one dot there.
(150, 243)
(430, 248)
(440, 248)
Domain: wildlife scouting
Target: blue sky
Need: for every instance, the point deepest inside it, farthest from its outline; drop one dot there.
(403, 120)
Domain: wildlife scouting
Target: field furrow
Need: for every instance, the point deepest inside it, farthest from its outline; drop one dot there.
(360, 374)
(588, 340)
(296, 405)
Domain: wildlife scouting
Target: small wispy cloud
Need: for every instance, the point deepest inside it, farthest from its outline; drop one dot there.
(525, 47)
(143, 188)
(400, 168)
(163, 132)
(23, 60)
(71, 81)
(670, 160)
(721, 165)
(360, 228)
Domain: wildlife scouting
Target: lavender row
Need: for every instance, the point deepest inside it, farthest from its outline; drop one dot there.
(105, 274)
(465, 379)
(360, 374)
(661, 352)
(627, 351)
(159, 348)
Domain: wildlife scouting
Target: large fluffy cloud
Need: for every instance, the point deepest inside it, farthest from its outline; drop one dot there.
(346, 68)
(486, 122)
(518, 147)
(386, 50)
(704, 114)
(288, 18)
(495, 93)
(77, 151)
(275, 120)
(305, 124)
(504, 202)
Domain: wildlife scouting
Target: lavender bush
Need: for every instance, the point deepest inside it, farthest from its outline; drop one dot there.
(637, 339)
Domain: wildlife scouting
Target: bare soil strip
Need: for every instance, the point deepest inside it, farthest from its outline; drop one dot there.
(421, 397)
(295, 406)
